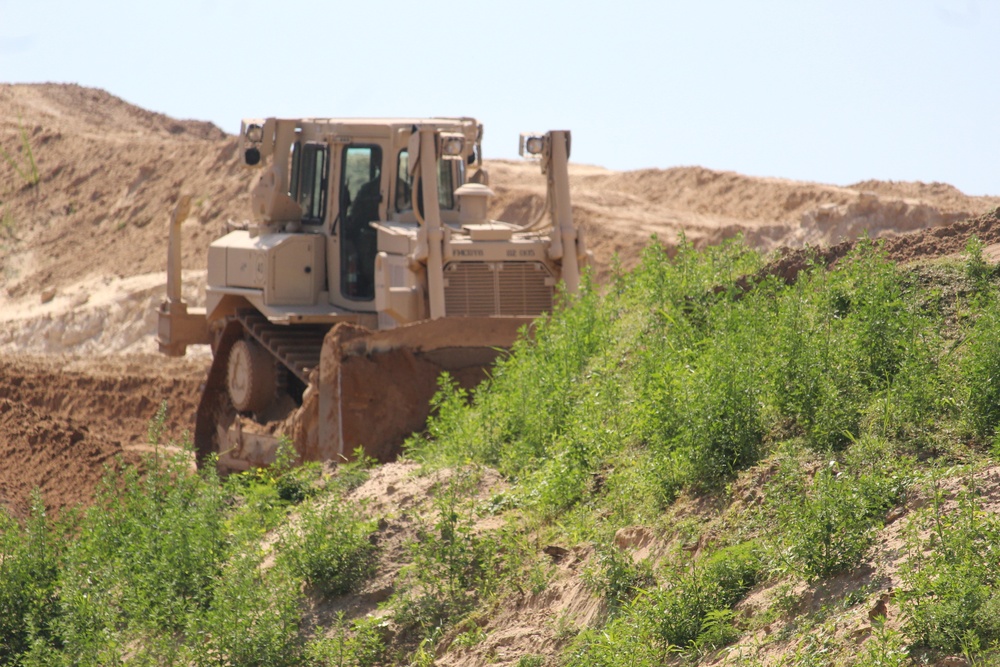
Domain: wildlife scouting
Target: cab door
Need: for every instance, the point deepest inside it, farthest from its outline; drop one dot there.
(360, 200)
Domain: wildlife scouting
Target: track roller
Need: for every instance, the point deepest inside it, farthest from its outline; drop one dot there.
(251, 377)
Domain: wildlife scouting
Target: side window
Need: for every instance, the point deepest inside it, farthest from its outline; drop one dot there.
(404, 184)
(308, 180)
(446, 189)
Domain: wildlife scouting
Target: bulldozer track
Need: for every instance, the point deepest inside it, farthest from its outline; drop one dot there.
(297, 348)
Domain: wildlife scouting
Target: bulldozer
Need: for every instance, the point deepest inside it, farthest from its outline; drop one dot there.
(368, 267)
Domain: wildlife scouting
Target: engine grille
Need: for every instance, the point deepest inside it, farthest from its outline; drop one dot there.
(474, 289)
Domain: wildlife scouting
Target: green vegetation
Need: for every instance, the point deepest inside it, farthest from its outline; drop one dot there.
(168, 567)
(762, 437)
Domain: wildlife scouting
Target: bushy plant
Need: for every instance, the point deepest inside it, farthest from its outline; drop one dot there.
(329, 547)
(691, 609)
(30, 559)
(829, 518)
(352, 644)
(617, 578)
(148, 554)
(253, 618)
(949, 596)
(980, 368)
(452, 566)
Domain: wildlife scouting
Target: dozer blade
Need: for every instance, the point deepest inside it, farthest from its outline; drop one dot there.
(372, 390)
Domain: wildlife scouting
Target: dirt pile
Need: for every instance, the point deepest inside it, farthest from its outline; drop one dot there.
(62, 420)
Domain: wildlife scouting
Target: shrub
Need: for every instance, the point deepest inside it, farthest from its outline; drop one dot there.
(830, 523)
(980, 367)
(330, 547)
(950, 595)
(452, 567)
(254, 616)
(30, 558)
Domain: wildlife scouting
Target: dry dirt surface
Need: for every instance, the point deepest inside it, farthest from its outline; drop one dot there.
(82, 256)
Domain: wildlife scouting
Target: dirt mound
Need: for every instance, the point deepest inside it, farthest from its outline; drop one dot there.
(61, 457)
(924, 244)
(620, 211)
(62, 420)
(107, 172)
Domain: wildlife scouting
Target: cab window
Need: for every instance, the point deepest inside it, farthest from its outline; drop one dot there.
(308, 181)
(404, 184)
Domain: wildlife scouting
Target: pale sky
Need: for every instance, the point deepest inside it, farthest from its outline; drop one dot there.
(833, 91)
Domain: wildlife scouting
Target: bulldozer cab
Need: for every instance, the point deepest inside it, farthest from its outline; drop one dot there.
(341, 178)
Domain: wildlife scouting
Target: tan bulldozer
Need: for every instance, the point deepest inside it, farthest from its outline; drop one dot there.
(368, 266)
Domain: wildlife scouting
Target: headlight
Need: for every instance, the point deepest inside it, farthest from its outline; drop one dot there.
(255, 133)
(532, 144)
(450, 144)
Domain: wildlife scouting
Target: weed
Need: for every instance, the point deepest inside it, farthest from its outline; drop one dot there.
(254, 617)
(157, 425)
(886, 648)
(30, 559)
(617, 578)
(451, 565)
(25, 166)
(7, 224)
(330, 547)
(470, 638)
(357, 644)
(531, 661)
(831, 526)
(977, 269)
(950, 600)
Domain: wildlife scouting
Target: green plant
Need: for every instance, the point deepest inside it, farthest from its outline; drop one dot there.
(25, 167)
(30, 558)
(353, 644)
(831, 525)
(451, 564)
(950, 600)
(148, 554)
(977, 269)
(980, 366)
(886, 648)
(617, 578)
(330, 547)
(7, 223)
(254, 616)
(157, 424)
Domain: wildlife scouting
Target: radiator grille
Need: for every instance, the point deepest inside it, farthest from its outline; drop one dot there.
(497, 288)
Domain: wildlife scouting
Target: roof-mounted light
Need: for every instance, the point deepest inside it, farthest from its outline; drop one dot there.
(255, 133)
(451, 144)
(531, 145)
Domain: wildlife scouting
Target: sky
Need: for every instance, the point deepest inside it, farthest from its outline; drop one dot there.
(831, 91)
